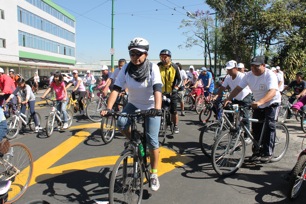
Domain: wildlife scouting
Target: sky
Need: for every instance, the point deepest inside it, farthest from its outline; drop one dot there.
(158, 21)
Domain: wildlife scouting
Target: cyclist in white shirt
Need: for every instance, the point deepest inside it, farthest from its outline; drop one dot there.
(90, 81)
(181, 90)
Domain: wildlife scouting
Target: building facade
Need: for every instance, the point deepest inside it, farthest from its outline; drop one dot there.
(36, 35)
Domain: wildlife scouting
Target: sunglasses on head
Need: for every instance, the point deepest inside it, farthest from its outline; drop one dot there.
(137, 54)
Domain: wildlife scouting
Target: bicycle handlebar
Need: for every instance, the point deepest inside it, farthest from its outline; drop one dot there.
(145, 113)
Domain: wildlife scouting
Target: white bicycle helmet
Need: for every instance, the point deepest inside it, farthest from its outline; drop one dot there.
(139, 44)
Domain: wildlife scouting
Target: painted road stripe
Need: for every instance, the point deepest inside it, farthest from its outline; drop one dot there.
(44, 169)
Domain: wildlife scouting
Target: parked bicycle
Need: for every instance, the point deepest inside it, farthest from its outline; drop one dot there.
(298, 175)
(228, 152)
(127, 178)
(19, 121)
(16, 169)
(55, 119)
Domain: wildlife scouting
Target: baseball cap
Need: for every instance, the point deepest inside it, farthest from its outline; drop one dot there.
(104, 67)
(1, 70)
(203, 69)
(75, 71)
(277, 67)
(273, 69)
(88, 71)
(191, 67)
(231, 64)
(258, 60)
(12, 70)
(240, 65)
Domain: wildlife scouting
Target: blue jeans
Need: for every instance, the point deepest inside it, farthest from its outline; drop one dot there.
(152, 126)
(3, 129)
(61, 107)
(32, 111)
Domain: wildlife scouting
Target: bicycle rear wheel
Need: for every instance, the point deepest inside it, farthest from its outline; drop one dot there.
(94, 108)
(70, 117)
(199, 103)
(281, 142)
(31, 121)
(188, 102)
(205, 114)
(50, 124)
(303, 121)
(18, 163)
(228, 154)
(126, 185)
(282, 114)
(208, 136)
(13, 127)
(108, 127)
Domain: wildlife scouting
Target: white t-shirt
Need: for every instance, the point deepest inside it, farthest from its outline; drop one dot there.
(88, 80)
(81, 87)
(260, 85)
(228, 81)
(115, 74)
(183, 76)
(140, 93)
(280, 78)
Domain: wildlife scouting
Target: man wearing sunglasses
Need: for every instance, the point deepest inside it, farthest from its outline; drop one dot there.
(263, 83)
(171, 79)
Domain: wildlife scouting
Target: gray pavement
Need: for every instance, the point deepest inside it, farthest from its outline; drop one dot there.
(193, 182)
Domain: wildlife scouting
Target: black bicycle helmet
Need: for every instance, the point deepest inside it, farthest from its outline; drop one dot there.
(140, 44)
(165, 52)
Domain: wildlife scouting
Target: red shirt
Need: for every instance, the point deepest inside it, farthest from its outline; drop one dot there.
(7, 84)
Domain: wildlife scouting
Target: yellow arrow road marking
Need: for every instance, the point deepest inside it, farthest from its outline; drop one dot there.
(43, 169)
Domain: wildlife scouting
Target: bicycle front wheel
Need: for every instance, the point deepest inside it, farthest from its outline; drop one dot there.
(108, 127)
(199, 103)
(205, 114)
(188, 102)
(303, 122)
(50, 124)
(126, 183)
(228, 154)
(13, 127)
(282, 114)
(18, 164)
(281, 142)
(93, 110)
(70, 117)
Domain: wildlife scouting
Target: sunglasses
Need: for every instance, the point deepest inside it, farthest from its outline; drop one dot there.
(137, 54)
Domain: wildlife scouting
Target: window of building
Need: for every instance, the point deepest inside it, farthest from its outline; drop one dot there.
(2, 43)
(1, 14)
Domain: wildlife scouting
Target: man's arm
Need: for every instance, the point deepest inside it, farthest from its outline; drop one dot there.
(221, 89)
(268, 97)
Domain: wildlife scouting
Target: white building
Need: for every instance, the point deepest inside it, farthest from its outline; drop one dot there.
(36, 35)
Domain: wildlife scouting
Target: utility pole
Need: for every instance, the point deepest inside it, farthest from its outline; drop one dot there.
(112, 51)
(216, 38)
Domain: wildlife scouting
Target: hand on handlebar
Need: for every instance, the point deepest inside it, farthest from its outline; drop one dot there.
(155, 112)
(105, 112)
(226, 101)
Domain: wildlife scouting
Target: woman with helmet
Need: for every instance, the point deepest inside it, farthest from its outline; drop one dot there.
(171, 80)
(142, 78)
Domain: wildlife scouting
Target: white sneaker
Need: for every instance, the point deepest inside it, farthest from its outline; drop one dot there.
(248, 141)
(154, 182)
(36, 129)
(65, 126)
(92, 95)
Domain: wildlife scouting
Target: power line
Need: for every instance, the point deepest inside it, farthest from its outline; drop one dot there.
(95, 7)
(168, 6)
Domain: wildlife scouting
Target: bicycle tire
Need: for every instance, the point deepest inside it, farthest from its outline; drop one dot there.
(50, 124)
(93, 110)
(70, 117)
(188, 102)
(296, 178)
(163, 126)
(282, 115)
(108, 127)
(32, 123)
(20, 157)
(205, 114)
(303, 122)
(122, 183)
(199, 103)
(225, 147)
(281, 142)
(13, 127)
(208, 136)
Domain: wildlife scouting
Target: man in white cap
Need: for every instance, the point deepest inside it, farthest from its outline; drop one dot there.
(244, 98)
(105, 72)
(192, 75)
(89, 81)
(241, 67)
(280, 75)
(279, 71)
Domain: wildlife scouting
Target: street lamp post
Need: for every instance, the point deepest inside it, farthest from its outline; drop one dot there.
(112, 38)
(216, 38)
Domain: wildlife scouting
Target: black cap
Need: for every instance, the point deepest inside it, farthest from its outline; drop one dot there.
(258, 60)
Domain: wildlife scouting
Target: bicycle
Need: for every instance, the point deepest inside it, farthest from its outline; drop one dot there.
(202, 101)
(74, 104)
(228, 152)
(16, 169)
(207, 110)
(94, 108)
(127, 177)
(55, 118)
(19, 121)
(166, 119)
(285, 108)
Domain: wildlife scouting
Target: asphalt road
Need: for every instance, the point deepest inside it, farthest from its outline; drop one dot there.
(73, 166)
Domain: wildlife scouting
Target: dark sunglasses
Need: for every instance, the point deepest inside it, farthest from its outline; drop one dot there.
(137, 54)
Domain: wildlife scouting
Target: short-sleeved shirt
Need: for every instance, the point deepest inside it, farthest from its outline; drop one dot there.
(205, 79)
(297, 88)
(59, 90)
(280, 78)
(114, 77)
(183, 76)
(88, 80)
(228, 81)
(260, 85)
(75, 82)
(140, 93)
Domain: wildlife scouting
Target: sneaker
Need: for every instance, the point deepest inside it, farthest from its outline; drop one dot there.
(65, 126)
(176, 130)
(81, 112)
(266, 158)
(255, 157)
(183, 113)
(154, 182)
(248, 141)
(4, 146)
(92, 95)
(36, 129)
